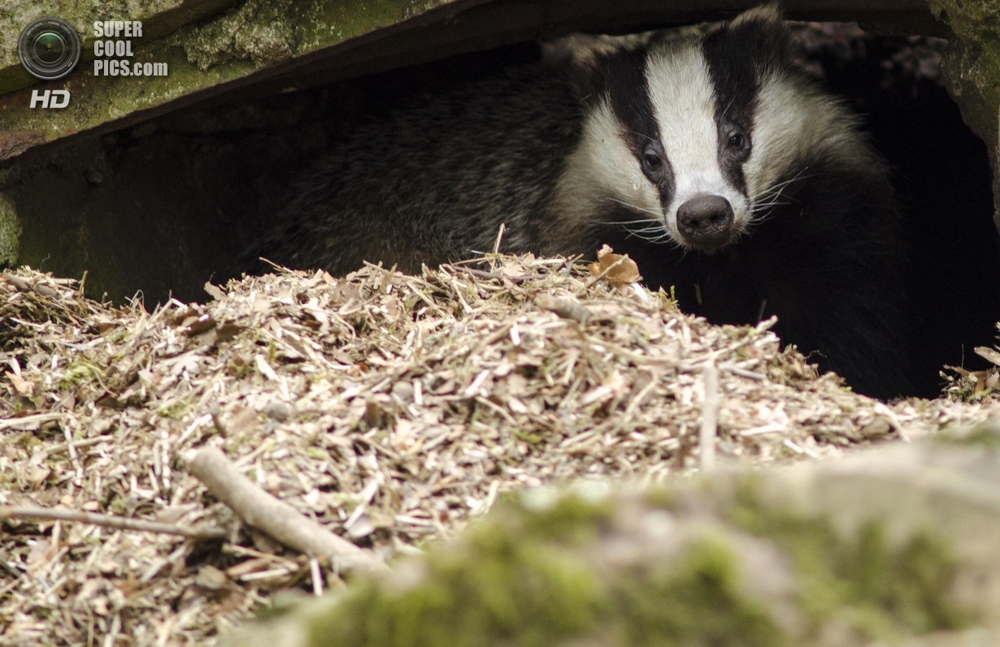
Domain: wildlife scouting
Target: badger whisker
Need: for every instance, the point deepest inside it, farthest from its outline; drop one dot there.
(772, 197)
(637, 221)
(634, 207)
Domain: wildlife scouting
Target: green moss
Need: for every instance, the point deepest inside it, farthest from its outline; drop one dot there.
(79, 373)
(497, 588)
(10, 233)
(117, 505)
(116, 336)
(967, 18)
(199, 53)
(661, 497)
(240, 368)
(985, 434)
(531, 439)
(517, 581)
(550, 569)
(319, 21)
(27, 441)
(257, 30)
(863, 581)
(572, 520)
(698, 601)
(175, 410)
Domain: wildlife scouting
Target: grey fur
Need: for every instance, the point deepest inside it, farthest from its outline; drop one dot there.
(433, 180)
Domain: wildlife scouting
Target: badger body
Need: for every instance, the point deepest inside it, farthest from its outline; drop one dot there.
(712, 161)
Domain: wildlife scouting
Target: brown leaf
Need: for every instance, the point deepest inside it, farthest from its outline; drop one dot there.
(23, 386)
(616, 269)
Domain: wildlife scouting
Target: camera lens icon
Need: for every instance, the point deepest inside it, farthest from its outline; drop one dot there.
(49, 48)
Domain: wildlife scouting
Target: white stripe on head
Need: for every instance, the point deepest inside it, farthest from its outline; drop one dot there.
(681, 92)
(602, 165)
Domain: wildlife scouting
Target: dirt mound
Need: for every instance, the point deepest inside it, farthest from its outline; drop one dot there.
(389, 408)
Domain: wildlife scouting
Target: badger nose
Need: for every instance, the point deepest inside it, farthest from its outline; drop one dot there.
(706, 221)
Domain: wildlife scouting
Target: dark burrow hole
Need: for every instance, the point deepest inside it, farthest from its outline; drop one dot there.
(162, 207)
(943, 180)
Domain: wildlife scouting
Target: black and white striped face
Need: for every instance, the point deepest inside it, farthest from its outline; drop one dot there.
(690, 140)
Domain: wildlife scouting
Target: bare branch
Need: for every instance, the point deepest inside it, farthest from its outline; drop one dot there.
(108, 521)
(278, 519)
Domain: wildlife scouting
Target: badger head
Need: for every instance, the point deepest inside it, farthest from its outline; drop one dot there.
(692, 140)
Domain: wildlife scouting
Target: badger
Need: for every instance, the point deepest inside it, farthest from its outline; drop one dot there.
(712, 160)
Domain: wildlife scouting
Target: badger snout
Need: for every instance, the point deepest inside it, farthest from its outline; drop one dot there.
(706, 222)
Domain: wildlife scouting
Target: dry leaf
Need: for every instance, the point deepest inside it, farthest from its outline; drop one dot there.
(23, 386)
(989, 354)
(616, 269)
(213, 291)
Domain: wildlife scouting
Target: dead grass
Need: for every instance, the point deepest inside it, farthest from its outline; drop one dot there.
(390, 408)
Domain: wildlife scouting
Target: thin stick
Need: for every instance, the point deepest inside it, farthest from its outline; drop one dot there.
(78, 444)
(278, 519)
(496, 246)
(108, 521)
(709, 418)
(317, 576)
(499, 239)
(281, 268)
(492, 275)
(25, 420)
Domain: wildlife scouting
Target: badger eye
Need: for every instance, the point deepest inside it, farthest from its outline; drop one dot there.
(737, 144)
(653, 160)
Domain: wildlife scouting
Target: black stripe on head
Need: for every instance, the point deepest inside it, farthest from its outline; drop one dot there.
(740, 57)
(627, 91)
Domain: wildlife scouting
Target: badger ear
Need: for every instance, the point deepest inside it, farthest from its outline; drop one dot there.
(767, 13)
(585, 58)
(758, 35)
(580, 50)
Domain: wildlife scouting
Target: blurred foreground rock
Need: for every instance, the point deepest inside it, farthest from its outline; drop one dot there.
(898, 546)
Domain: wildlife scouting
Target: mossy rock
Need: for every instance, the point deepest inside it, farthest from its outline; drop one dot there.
(895, 547)
(10, 232)
(971, 69)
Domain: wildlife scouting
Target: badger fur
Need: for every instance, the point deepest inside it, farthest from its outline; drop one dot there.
(711, 160)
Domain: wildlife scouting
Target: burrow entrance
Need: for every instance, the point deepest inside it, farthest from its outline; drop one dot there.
(160, 208)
